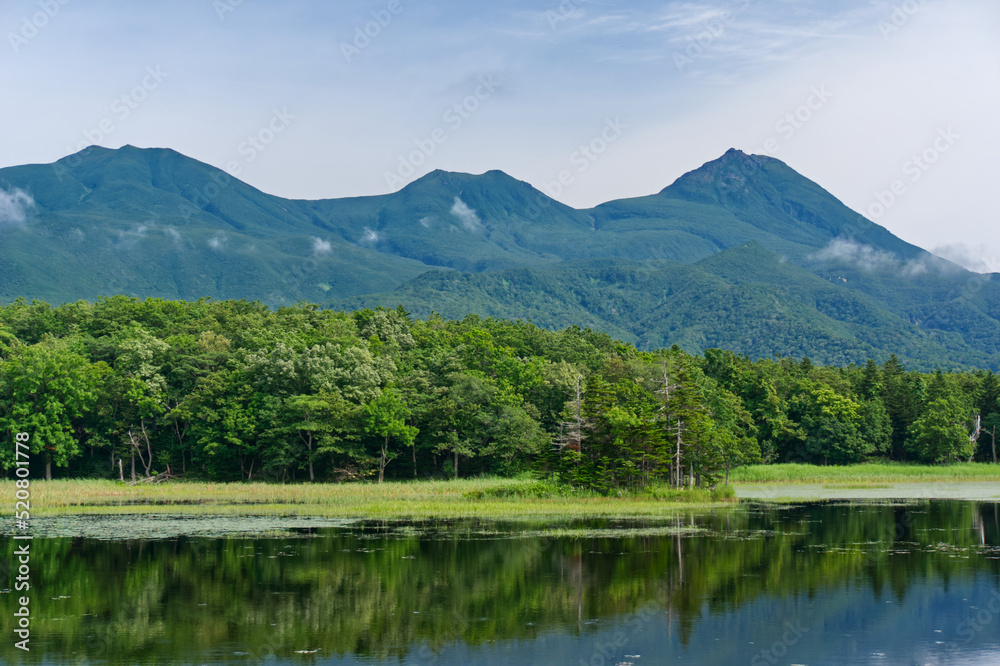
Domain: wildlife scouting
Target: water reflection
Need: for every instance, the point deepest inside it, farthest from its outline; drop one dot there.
(831, 583)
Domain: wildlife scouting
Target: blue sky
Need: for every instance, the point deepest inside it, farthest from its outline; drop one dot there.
(312, 99)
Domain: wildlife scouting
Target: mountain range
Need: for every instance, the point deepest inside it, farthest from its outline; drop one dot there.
(742, 253)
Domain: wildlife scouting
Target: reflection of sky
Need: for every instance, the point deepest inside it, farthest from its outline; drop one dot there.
(689, 78)
(848, 626)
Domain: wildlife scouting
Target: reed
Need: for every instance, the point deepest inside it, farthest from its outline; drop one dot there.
(865, 473)
(479, 497)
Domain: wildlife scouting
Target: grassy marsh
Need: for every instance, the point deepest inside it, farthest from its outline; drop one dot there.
(866, 473)
(484, 497)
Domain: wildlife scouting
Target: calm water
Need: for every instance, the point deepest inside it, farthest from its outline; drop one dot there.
(830, 583)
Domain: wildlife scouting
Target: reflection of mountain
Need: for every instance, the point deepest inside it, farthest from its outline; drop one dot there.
(882, 575)
(742, 253)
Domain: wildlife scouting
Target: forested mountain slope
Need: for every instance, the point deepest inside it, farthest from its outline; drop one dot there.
(742, 253)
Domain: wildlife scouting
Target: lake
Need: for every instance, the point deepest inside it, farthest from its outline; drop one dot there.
(833, 582)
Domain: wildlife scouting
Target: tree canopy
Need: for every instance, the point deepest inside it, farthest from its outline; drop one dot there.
(235, 390)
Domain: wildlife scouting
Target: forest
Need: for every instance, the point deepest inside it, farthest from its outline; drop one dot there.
(234, 390)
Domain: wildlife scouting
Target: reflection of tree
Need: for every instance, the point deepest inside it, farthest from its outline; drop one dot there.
(382, 591)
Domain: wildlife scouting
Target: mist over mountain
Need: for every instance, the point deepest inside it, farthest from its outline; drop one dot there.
(742, 253)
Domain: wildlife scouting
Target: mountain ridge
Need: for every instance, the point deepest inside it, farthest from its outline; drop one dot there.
(153, 222)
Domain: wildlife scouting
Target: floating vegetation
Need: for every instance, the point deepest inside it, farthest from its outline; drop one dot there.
(166, 526)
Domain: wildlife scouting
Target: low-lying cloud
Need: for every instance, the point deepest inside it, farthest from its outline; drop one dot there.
(321, 246)
(872, 260)
(466, 215)
(979, 259)
(864, 257)
(14, 207)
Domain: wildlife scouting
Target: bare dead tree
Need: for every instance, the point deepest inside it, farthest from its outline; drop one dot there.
(571, 432)
(974, 437)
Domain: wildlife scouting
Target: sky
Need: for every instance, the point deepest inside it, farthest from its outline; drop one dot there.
(889, 105)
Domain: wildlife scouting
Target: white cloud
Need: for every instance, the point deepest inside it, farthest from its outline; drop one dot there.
(869, 259)
(216, 242)
(980, 259)
(14, 206)
(127, 238)
(425, 222)
(466, 215)
(321, 246)
(864, 257)
(371, 236)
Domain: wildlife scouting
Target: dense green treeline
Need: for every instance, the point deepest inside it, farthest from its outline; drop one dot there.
(233, 390)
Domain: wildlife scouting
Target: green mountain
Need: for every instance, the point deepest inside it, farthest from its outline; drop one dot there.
(743, 253)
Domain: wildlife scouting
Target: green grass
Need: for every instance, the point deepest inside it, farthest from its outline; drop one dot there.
(484, 497)
(867, 473)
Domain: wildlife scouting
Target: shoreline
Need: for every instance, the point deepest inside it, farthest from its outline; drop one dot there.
(905, 490)
(485, 498)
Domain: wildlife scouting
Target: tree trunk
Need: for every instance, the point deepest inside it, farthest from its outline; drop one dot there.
(456, 463)
(48, 466)
(309, 447)
(180, 436)
(148, 464)
(680, 475)
(133, 465)
(382, 461)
